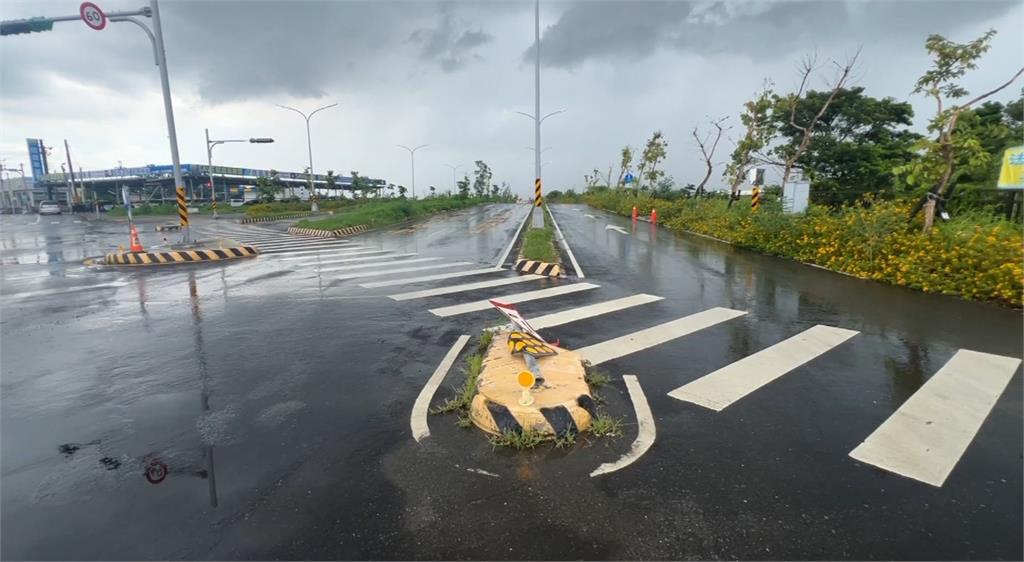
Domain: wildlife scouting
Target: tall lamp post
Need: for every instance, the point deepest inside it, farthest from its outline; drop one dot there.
(456, 167)
(209, 161)
(412, 159)
(309, 144)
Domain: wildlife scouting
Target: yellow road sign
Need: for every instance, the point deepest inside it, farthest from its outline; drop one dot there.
(519, 342)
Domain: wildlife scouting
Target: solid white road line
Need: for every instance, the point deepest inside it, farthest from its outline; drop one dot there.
(418, 419)
(380, 272)
(645, 435)
(512, 299)
(349, 260)
(29, 294)
(290, 250)
(565, 244)
(512, 242)
(591, 310)
(293, 256)
(449, 289)
(438, 277)
(927, 435)
(381, 262)
(736, 380)
(650, 337)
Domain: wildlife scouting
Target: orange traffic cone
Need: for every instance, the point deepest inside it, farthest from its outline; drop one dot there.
(136, 246)
(654, 216)
(634, 213)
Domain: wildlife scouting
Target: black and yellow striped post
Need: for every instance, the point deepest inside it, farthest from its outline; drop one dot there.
(755, 199)
(213, 204)
(182, 211)
(537, 199)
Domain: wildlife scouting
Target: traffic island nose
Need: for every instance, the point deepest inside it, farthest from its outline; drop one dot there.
(504, 403)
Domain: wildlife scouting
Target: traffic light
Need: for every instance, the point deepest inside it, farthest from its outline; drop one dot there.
(17, 27)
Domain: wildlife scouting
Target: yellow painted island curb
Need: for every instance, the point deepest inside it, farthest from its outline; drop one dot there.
(178, 256)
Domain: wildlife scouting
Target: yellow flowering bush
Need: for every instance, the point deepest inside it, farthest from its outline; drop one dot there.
(974, 256)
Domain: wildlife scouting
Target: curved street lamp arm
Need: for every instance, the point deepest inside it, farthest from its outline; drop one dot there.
(292, 109)
(320, 109)
(553, 114)
(531, 117)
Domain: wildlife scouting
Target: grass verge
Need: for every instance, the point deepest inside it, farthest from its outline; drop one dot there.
(391, 211)
(539, 243)
(527, 438)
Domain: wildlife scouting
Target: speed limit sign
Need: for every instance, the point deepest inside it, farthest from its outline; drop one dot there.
(92, 15)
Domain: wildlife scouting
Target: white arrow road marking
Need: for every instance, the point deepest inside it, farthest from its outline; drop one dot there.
(418, 419)
(618, 229)
(590, 217)
(645, 436)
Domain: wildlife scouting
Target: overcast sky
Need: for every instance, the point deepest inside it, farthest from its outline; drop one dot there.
(452, 75)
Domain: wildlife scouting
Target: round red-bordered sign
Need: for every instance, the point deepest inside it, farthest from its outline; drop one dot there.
(92, 15)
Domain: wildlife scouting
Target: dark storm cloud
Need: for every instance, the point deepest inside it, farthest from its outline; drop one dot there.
(625, 29)
(447, 44)
(229, 50)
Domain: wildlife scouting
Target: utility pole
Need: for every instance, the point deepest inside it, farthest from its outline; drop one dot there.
(209, 163)
(412, 158)
(456, 167)
(73, 196)
(309, 144)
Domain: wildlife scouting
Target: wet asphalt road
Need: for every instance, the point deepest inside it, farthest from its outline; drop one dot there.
(270, 401)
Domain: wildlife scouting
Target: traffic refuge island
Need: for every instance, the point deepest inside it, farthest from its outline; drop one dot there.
(178, 256)
(268, 218)
(528, 384)
(525, 266)
(319, 232)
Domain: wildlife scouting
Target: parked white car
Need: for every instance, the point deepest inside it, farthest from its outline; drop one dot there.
(49, 208)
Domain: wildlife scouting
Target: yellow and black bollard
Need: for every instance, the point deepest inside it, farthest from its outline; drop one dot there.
(755, 199)
(537, 200)
(213, 204)
(182, 210)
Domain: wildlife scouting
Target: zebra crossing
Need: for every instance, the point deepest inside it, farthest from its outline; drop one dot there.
(922, 440)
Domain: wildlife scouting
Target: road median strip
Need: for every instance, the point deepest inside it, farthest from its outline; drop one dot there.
(269, 218)
(177, 256)
(321, 233)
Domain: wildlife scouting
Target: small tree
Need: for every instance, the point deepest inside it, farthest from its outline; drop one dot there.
(936, 166)
(624, 164)
(433, 191)
(708, 153)
(482, 178)
(267, 187)
(401, 191)
(654, 152)
(359, 185)
(756, 118)
(332, 182)
(463, 186)
(808, 65)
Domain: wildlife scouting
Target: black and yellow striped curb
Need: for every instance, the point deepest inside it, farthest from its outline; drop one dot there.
(166, 227)
(538, 267)
(568, 417)
(347, 231)
(268, 218)
(180, 256)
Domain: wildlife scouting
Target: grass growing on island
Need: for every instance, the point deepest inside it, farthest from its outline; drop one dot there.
(539, 243)
(390, 211)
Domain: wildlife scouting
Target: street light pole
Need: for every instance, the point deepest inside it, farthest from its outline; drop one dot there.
(209, 162)
(412, 159)
(309, 144)
(456, 167)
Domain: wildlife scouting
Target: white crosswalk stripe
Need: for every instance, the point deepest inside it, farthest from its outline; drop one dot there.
(450, 289)
(734, 381)
(927, 435)
(387, 257)
(381, 261)
(304, 254)
(298, 245)
(383, 272)
(655, 335)
(512, 299)
(591, 310)
(322, 256)
(425, 278)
